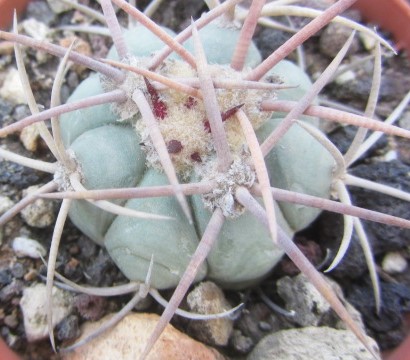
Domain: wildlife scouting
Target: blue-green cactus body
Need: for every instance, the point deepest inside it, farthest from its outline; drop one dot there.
(77, 122)
(109, 156)
(131, 241)
(140, 42)
(244, 251)
(298, 163)
(219, 44)
(292, 75)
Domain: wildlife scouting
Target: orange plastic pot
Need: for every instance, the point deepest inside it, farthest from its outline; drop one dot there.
(6, 353)
(390, 15)
(7, 8)
(402, 352)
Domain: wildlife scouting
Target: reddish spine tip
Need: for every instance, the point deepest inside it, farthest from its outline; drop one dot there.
(225, 116)
(160, 109)
(228, 113)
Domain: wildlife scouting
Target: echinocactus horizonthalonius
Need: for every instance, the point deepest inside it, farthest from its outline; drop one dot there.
(189, 157)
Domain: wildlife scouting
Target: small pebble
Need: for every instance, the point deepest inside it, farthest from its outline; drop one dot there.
(11, 290)
(36, 29)
(248, 323)
(74, 250)
(334, 37)
(15, 301)
(33, 307)
(21, 111)
(88, 247)
(18, 270)
(68, 329)
(23, 247)
(208, 298)
(6, 48)
(144, 304)
(90, 307)
(368, 42)
(12, 89)
(11, 321)
(390, 156)
(241, 343)
(40, 213)
(264, 326)
(80, 46)
(5, 204)
(29, 137)
(41, 11)
(58, 6)
(394, 263)
(98, 270)
(31, 275)
(73, 263)
(301, 296)
(5, 277)
(345, 77)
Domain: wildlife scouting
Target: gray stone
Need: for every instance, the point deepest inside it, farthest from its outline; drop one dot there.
(68, 329)
(41, 11)
(302, 297)
(311, 309)
(12, 89)
(208, 298)
(40, 213)
(11, 290)
(333, 38)
(25, 247)
(59, 6)
(5, 204)
(33, 307)
(319, 343)
(5, 276)
(241, 343)
(18, 270)
(36, 29)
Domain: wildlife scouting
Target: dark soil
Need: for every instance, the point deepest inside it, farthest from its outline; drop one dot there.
(84, 262)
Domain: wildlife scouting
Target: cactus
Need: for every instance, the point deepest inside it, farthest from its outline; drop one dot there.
(216, 125)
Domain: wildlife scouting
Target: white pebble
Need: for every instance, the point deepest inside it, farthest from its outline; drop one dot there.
(58, 6)
(390, 156)
(36, 29)
(40, 213)
(28, 247)
(5, 204)
(394, 263)
(369, 42)
(345, 77)
(29, 137)
(12, 89)
(33, 307)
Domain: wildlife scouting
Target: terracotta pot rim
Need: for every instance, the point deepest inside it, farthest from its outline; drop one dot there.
(7, 11)
(397, 23)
